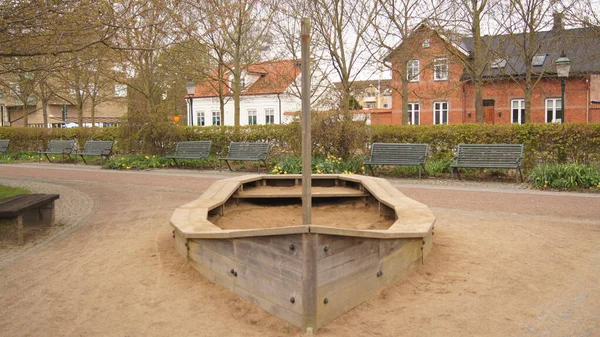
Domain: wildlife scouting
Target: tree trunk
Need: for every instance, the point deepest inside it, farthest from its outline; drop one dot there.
(25, 114)
(45, 112)
(478, 101)
(237, 77)
(93, 112)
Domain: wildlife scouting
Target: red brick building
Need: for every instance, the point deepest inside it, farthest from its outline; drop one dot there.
(440, 90)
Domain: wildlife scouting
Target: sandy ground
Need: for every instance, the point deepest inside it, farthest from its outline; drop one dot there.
(504, 263)
(262, 214)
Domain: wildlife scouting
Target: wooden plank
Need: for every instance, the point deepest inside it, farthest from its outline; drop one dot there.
(336, 244)
(296, 192)
(344, 288)
(221, 246)
(345, 269)
(309, 281)
(215, 262)
(270, 307)
(268, 261)
(180, 244)
(334, 312)
(280, 244)
(360, 249)
(269, 287)
(227, 282)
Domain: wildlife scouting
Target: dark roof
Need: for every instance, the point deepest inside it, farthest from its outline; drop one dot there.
(581, 45)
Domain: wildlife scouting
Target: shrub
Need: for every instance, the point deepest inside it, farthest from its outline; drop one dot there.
(565, 176)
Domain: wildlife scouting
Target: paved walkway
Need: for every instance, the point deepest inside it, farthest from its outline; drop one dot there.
(506, 261)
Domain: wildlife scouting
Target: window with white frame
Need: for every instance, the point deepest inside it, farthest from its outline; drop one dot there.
(440, 69)
(216, 118)
(252, 117)
(201, 120)
(554, 110)
(440, 113)
(412, 68)
(414, 113)
(518, 111)
(269, 116)
(426, 43)
(120, 90)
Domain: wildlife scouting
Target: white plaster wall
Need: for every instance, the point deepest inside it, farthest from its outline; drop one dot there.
(257, 102)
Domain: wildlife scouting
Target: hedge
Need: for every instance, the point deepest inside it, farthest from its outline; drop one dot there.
(544, 143)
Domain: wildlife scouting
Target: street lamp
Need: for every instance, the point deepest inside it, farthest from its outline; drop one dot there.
(563, 65)
(191, 88)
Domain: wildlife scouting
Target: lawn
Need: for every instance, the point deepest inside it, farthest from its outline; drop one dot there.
(7, 191)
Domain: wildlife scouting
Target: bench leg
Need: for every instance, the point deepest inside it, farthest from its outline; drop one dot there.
(371, 168)
(227, 162)
(47, 157)
(520, 174)
(452, 173)
(11, 230)
(419, 172)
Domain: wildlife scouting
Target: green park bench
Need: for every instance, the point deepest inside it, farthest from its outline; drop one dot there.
(190, 150)
(501, 156)
(397, 154)
(4, 145)
(62, 147)
(242, 151)
(98, 148)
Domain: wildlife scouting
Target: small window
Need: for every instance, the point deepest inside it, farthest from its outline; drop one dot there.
(498, 64)
(440, 113)
(554, 109)
(412, 70)
(252, 117)
(426, 43)
(489, 102)
(269, 116)
(538, 60)
(201, 120)
(440, 69)
(518, 111)
(414, 113)
(120, 90)
(216, 118)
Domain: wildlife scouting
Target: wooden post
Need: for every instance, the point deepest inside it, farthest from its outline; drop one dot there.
(309, 241)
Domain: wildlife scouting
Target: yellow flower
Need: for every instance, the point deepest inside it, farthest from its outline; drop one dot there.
(362, 168)
(318, 171)
(284, 172)
(147, 157)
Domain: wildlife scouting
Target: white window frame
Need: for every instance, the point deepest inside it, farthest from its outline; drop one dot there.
(517, 106)
(413, 69)
(269, 116)
(440, 69)
(426, 43)
(554, 109)
(414, 110)
(201, 118)
(439, 112)
(216, 118)
(252, 117)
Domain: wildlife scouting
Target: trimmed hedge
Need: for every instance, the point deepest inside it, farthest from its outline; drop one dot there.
(544, 143)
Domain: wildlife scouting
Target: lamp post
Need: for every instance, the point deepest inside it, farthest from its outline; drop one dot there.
(191, 88)
(563, 65)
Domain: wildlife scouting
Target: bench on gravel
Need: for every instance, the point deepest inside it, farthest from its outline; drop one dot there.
(62, 147)
(190, 150)
(25, 210)
(242, 151)
(501, 156)
(397, 154)
(98, 148)
(4, 145)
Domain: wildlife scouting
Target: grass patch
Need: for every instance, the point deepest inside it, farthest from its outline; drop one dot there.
(7, 191)
(565, 176)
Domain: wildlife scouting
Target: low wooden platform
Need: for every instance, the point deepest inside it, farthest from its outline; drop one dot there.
(296, 192)
(25, 210)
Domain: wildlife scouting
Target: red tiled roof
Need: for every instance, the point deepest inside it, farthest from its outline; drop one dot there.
(275, 78)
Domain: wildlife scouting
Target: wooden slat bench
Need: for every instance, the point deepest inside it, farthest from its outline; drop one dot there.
(398, 154)
(243, 151)
(62, 147)
(98, 148)
(25, 210)
(502, 156)
(191, 150)
(4, 145)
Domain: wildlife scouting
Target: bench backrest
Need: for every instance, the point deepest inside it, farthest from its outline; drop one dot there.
(98, 147)
(497, 155)
(61, 145)
(200, 148)
(399, 153)
(4, 145)
(251, 151)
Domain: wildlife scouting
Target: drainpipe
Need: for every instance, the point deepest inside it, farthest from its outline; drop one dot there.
(587, 100)
(464, 103)
(279, 99)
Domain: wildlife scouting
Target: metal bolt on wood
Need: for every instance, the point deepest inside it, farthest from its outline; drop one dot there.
(293, 300)
(187, 245)
(292, 247)
(326, 300)
(326, 249)
(379, 273)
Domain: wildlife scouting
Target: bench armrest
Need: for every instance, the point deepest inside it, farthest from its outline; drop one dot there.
(105, 152)
(67, 150)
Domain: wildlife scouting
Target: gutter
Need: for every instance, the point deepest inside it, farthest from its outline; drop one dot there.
(279, 99)
(587, 101)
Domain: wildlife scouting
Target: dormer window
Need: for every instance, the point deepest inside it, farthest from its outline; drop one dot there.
(498, 64)
(538, 60)
(426, 43)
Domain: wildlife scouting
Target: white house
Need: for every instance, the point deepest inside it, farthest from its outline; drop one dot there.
(267, 93)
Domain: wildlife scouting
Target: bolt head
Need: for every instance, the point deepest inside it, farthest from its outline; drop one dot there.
(292, 247)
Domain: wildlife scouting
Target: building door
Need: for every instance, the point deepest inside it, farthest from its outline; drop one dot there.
(489, 112)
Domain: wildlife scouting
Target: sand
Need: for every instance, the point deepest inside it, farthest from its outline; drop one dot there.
(502, 264)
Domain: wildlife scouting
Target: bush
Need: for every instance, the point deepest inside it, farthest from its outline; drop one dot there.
(330, 164)
(565, 176)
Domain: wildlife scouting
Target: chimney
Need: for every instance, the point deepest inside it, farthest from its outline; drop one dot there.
(558, 23)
